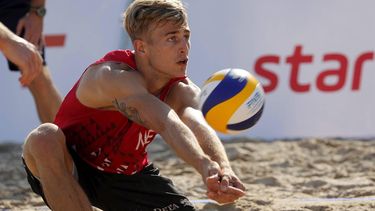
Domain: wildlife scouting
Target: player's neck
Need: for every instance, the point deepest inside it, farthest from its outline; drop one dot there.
(155, 80)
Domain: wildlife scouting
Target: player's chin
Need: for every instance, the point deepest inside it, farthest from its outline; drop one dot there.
(181, 71)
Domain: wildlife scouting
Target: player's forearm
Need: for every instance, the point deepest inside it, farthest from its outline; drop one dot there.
(6, 36)
(184, 143)
(211, 145)
(206, 136)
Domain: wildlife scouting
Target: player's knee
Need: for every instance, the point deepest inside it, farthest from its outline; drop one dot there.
(44, 141)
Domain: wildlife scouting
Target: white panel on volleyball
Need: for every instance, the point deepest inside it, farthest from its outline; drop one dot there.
(250, 107)
(206, 92)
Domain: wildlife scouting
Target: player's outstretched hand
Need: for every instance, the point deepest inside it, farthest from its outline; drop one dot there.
(26, 56)
(224, 187)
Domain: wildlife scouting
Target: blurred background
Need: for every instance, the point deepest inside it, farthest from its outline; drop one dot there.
(315, 60)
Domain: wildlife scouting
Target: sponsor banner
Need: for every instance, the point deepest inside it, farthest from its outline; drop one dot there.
(315, 60)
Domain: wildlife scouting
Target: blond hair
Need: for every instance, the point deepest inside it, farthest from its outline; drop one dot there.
(141, 15)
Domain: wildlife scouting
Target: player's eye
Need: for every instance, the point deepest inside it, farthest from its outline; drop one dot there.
(172, 38)
(187, 36)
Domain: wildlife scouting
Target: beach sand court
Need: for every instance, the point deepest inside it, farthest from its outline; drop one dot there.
(282, 175)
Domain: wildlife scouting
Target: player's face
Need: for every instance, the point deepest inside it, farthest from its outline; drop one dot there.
(168, 49)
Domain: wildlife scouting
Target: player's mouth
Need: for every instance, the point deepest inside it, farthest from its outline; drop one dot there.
(183, 62)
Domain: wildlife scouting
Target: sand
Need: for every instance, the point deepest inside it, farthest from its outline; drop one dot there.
(282, 175)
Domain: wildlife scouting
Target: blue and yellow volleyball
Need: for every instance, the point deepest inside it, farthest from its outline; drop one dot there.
(232, 100)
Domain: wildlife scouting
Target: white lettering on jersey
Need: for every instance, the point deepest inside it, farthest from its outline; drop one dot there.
(144, 139)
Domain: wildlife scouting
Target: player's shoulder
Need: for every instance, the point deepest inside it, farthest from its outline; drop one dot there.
(110, 70)
(188, 87)
(123, 56)
(117, 59)
(184, 94)
(111, 75)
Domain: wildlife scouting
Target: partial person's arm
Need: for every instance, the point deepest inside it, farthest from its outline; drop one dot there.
(32, 23)
(110, 85)
(223, 186)
(22, 53)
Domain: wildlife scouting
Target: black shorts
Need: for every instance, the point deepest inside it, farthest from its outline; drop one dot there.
(11, 11)
(146, 190)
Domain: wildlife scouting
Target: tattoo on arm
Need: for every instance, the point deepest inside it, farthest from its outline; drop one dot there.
(130, 112)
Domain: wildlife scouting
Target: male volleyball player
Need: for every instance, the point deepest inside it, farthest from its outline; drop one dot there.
(94, 153)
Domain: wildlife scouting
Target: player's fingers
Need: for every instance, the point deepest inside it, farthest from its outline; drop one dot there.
(23, 79)
(34, 38)
(231, 192)
(220, 199)
(212, 183)
(30, 71)
(238, 185)
(38, 63)
(228, 197)
(29, 34)
(224, 182)
(234, 191)
(20, 26)
(36, 67)
(40, 43)
(20, 79)
(31, 74)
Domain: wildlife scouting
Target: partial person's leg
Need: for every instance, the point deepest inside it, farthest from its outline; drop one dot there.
(47, 157)
(47, 98)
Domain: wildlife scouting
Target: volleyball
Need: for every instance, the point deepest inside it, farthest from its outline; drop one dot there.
(232, 100)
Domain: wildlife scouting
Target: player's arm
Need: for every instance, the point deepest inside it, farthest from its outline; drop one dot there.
(189, 112)
(113, 86)
(22, 53)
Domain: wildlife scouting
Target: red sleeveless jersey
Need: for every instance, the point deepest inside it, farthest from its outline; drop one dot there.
(105, 139)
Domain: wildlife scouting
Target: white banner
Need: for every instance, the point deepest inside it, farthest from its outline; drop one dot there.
(315, 59)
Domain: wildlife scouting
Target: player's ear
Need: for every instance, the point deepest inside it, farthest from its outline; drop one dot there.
(139, 46)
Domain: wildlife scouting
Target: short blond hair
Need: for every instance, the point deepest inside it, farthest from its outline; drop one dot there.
(141, 15)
